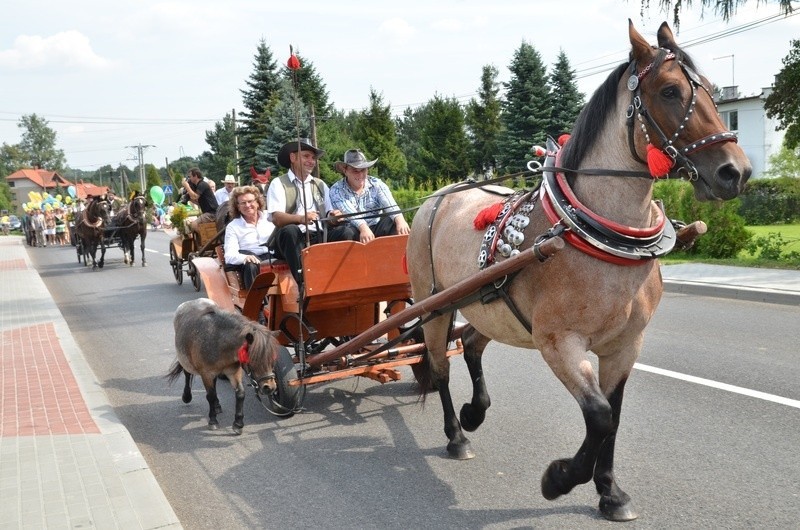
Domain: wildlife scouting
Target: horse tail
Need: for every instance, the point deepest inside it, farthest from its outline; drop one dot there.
(175, 371)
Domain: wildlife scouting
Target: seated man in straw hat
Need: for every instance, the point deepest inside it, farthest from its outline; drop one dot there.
(297, 204)
(224, 193)
(360, 192)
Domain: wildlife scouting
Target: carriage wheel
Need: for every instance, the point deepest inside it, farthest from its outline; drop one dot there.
(177, 265)
(285, 400)
(194, 276)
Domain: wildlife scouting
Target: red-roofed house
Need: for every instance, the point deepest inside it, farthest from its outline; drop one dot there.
(84, 189)
(40, 180)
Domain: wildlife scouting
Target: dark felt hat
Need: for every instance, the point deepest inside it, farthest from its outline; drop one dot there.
(304, 144)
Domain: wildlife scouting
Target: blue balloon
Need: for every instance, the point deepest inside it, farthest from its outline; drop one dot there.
(71, 190)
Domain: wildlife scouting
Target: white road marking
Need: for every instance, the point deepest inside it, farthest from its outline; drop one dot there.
(722, 386)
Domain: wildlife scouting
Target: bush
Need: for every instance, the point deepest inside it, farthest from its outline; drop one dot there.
(771, 201)
(726, 235)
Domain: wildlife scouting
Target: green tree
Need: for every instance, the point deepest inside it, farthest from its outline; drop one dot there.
(310, 87)
(334, 136)
(220, 160)
(483, 123)
(409, 127)
(6, 202)
(152, 178)
(724, 8)
(527, 108)
(443, 145)
(784, 163)
(257, 99)
(11, 159)
(375, 133)
(38, 144)
(567, 99)
(287, 120)
(783, 102)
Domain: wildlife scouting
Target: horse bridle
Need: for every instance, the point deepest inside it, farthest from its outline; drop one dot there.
(140, 217)
(99, 219)
(637, 109)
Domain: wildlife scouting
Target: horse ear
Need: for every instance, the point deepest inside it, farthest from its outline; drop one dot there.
(642, 52)
(665, 37)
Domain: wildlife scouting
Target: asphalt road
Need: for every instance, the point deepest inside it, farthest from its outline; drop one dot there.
(692, 453)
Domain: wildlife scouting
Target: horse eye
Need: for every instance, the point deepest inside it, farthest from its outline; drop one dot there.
(670, 92)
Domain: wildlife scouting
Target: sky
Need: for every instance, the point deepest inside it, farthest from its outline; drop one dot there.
(109, 76)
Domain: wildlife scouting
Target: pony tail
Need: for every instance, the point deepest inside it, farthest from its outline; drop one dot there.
(175, 371)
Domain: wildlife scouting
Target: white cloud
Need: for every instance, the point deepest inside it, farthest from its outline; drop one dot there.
(64, 50)
(397, 29)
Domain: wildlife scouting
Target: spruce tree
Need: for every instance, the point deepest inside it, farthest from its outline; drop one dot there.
(376, 135)
(567, 99)
(287, 121)
(310, 87)
(257, 98)
(483, 123)
(443, 147)
(527, 109)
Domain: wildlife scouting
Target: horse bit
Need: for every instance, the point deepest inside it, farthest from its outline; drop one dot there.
(636, 108)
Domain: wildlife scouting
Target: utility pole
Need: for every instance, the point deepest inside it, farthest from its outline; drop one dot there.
(140, 150)
(313, 122)
(236, 148)
(733, 67)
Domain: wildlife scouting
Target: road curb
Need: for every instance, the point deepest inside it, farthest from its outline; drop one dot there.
(770, 296)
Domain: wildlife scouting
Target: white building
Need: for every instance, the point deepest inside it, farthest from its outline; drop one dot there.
(757, 135)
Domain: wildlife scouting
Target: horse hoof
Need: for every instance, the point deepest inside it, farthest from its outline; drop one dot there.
(187, 397)
(461, 451)
(471, 417)
(237, 430)
(618, 513)
(552, 487)
(213, 426)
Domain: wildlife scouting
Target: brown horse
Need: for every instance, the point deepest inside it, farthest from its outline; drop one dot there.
(597, 298)
(211, 342)
(130, 223)
(90, 228)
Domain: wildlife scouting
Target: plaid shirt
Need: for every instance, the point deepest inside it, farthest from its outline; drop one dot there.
(376, 196)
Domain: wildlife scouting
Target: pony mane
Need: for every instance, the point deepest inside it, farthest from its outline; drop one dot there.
(263, 349)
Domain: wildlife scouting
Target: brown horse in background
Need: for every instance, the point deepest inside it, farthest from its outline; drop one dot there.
(582, 301)
(90, 228)
(209, 342)
(130, 223)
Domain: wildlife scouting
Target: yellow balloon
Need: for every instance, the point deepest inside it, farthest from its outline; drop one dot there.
(58, 197)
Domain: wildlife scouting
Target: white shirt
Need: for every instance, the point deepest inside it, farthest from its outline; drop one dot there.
(240, 235)
(276, 199)
(222, 195)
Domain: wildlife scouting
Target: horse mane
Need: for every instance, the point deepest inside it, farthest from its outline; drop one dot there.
(592, 118)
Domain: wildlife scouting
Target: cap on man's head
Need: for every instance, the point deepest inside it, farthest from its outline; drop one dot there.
(354, 158)
(303, 144)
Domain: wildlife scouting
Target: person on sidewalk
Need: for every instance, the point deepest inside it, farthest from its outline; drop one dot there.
(360, 192)
(296, 202)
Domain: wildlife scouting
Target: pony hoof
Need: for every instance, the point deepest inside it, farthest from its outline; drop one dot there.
(618, 513)
(461, 451)
(237, 430)
(213, 426)
(187, 397)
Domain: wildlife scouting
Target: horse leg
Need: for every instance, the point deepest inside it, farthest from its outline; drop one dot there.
(238, 388)
(436, 335)
(615, 504)
(187, 387)
(102, 252)
(141, 247)
(209, 382)
(473, 413)
(567, 358)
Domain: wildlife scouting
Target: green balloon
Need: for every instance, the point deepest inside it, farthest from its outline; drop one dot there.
(157, 194)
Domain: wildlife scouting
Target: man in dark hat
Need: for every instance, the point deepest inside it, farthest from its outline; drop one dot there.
(296, 204)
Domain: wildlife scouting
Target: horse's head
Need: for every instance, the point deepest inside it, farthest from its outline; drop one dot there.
(99, 208)
(678, 117)
(262, 350)
(137, 207)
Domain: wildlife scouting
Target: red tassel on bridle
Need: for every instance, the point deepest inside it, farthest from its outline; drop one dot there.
(658, 161)
(244, 354)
